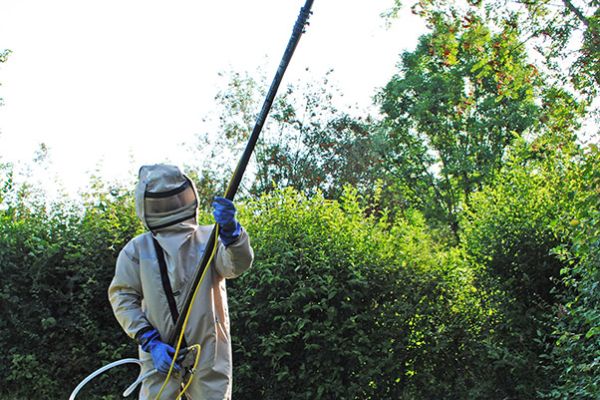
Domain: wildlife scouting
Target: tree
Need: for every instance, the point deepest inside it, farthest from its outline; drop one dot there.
(565, 33)
(307, 141)
(216, 152)
(576, 317)
(56, 261)
(315, 146)
(458, 100)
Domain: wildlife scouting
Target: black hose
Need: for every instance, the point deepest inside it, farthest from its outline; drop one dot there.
(243, 163)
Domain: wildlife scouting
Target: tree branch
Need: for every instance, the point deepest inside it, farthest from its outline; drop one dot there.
(577, 12)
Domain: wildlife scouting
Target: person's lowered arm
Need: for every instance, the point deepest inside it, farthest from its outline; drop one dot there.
(125, 294)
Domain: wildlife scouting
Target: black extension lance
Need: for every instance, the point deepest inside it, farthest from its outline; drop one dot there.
(232, 188)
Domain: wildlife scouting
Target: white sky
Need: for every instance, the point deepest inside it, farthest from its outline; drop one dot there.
(128, 81)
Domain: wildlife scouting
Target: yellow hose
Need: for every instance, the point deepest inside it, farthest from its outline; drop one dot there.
(189, 382)
(185, 322)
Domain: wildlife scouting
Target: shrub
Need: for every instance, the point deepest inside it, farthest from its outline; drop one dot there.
(56, 325)
(575, 355)
(516, 228)
(339, 305)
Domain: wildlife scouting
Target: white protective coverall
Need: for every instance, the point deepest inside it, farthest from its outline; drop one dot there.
(139, 301)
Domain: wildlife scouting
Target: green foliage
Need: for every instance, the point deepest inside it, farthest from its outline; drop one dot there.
(460, 98)
(565, 34)
(508, 229)
(337, 305)
(307, 142)
(523, 211)
(313, 144)
(342, 306)
(575, 355)
(516, 228)
(56, 324)
(343, 301)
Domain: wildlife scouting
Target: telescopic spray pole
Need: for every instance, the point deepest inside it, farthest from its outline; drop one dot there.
(297, 32)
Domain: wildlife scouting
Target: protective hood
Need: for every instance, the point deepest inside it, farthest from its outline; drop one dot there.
(164, 196)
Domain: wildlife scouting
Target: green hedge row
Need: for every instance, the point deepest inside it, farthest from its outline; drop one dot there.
(536, 231)
(343, 306)
(343, 302)
(337, 305)
(56, 325)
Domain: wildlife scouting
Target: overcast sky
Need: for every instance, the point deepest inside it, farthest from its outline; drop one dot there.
(125, 82)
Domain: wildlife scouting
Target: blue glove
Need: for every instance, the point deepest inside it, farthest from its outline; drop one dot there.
(224, 213)
(162, 353)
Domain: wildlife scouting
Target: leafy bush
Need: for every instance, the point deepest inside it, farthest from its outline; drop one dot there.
(56, 324)
(575, 355)
(339, 305)
(342, 302)
(516, 228)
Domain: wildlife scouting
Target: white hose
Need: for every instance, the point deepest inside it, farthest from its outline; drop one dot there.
(99, 371)
(139, 380)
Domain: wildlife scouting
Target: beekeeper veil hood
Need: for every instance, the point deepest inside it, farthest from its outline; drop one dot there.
(164, 196)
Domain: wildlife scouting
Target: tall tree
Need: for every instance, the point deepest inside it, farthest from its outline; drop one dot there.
(308, 142)
(458, 101)
(565, 33)
(315, 146)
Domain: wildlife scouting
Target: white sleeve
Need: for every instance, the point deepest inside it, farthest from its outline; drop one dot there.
(233, 260)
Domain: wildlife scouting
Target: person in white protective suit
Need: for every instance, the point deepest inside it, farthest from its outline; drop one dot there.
(153, 277)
